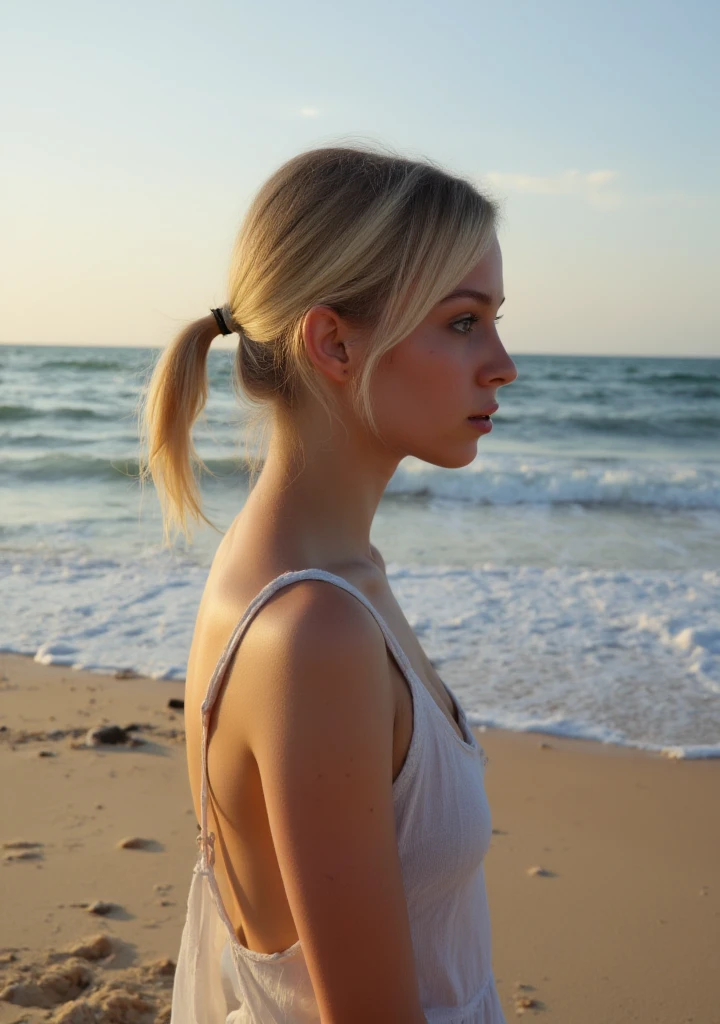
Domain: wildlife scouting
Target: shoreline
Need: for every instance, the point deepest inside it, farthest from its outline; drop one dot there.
(673, 752)
(623, 925)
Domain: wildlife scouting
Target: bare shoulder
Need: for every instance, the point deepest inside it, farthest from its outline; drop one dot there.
(313, 637)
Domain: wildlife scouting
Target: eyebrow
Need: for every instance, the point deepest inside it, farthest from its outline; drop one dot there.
(471, 293)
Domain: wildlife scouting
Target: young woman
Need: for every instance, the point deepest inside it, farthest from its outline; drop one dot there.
(338, 786)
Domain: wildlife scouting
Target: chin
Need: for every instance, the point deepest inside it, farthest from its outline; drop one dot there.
(446, 458)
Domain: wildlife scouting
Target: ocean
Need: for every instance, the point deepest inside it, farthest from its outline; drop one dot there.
(567, 582)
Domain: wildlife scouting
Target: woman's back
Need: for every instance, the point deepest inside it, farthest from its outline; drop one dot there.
(257, 903)
(244, 564)
(442, 831)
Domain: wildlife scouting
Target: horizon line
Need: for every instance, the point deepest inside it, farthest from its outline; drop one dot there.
(228, 348)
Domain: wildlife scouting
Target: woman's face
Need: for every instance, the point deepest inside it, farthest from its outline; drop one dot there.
(450, 367)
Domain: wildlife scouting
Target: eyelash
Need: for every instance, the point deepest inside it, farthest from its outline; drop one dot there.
(471, 318)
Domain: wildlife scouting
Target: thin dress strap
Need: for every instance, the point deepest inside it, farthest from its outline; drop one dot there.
(206, 839)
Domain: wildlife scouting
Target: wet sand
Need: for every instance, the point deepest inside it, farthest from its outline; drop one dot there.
(603, 874)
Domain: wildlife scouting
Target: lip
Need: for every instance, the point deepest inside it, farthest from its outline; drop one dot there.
(482, 426)
(485, 412)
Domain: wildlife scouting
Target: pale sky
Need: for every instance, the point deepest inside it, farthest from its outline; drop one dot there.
(134, 135)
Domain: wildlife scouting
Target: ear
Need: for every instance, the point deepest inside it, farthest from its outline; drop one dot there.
(328, 343)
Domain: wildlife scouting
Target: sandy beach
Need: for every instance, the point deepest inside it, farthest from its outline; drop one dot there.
(603, 875)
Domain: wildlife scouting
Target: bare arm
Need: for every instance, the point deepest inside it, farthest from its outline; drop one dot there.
(322, 738)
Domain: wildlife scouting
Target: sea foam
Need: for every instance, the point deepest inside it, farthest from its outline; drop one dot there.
(623, 657)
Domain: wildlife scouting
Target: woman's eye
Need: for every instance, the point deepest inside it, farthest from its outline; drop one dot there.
(468, 321)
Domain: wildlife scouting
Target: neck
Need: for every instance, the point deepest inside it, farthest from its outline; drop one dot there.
(320, 501)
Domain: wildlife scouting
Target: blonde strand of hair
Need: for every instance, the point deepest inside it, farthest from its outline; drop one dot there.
(174, 398)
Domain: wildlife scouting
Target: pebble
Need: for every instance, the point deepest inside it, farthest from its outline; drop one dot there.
(177, 703)
(101, 908)
(523, 1003)
(537, 870)
(23, 855)
(106, 734)
(135, 843)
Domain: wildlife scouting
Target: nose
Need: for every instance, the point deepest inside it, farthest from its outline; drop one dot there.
(511, 372)
(498, 369)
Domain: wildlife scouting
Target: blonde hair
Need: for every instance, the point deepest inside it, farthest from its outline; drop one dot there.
(377, 237)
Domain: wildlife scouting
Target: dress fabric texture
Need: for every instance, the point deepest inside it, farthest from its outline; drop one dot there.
(443, 828)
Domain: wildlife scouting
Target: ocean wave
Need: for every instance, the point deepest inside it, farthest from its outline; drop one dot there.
(49, 468)
(490, 480)
(667, 424)
(41, 442)
(512, 480)
(111, 365)
(17, 413)
(563, 375)
(684, 378)
(663, 424)
(57, 466)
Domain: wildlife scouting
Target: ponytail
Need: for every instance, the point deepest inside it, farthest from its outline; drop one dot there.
(175, 397)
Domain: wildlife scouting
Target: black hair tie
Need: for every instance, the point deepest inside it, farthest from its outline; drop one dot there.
(222, 323)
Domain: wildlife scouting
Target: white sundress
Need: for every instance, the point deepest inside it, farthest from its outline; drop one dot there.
(443, 827)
